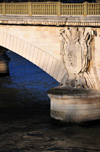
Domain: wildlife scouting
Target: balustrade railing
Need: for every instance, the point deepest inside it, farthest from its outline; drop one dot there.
(50, 8)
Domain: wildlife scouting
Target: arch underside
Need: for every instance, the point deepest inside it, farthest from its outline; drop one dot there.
(42, 59)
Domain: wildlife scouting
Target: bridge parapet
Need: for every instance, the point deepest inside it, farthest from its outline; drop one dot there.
(50, 8)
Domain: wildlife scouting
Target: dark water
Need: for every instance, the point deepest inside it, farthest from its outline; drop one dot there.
(25, 124)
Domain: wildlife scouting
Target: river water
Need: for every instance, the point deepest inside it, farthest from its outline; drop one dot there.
(25, 123)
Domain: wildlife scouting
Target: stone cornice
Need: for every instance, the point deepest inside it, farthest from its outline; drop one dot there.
(89, 21)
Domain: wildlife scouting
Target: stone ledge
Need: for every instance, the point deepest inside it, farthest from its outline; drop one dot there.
(71, 91)
(93, 21)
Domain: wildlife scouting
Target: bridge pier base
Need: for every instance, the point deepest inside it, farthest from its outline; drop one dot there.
(4, 62)
(74, 105)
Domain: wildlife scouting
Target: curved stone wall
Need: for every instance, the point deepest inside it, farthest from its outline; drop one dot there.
(41, 58)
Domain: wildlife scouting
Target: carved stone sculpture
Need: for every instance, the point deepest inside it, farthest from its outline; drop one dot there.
(76, 55)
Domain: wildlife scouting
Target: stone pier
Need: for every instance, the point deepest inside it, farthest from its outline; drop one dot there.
(4, 62)
(77, 99)
(74, 105)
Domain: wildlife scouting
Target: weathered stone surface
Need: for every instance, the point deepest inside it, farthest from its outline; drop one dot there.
(77, 105)
(41, 45)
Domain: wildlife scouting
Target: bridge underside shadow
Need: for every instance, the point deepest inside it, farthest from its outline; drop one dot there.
(24, 92)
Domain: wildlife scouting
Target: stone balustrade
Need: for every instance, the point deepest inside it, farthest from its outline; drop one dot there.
(50, 8)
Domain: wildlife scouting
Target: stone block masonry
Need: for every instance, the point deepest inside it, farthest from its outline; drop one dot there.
(38, 39)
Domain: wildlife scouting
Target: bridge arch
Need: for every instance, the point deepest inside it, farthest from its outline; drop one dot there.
(39, 57)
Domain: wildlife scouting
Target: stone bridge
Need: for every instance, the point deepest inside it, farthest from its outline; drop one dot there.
(45, 41)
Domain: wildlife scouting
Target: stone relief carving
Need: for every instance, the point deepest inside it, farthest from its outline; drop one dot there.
(76, 53)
